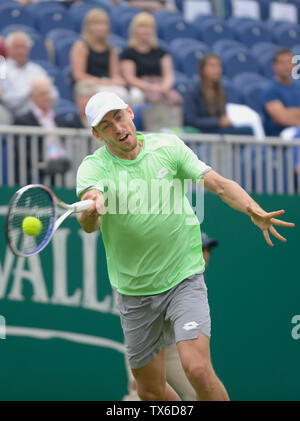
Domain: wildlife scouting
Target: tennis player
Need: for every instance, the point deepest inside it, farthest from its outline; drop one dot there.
(154, 258)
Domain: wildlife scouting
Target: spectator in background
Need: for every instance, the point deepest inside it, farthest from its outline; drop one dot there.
(20, 72)
(93, 59)
(83, 91)
(206, 108)
(52, 154)
(2, 47)
(147, 67)
(281, 98)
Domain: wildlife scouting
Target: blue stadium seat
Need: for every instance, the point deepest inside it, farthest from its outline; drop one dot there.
(287, 35)
(266, 62)
(42, 6)
(14, 13)
(177, 28)
(58, 34)
(77, 12)
(58, 78)
(100, 4)
(52, 19)
(18, 27)
(251, 95)
(38, 49)
(211, 31)
(250, 33)
(118, 42)
(62, 51)
(232, 94)
(261, 48)
(238, 60)
(241, 80)
(224, 44)
(190, 59)
(296, 49)
(179, 49)
(125, 21)
(181, 82)
(65, 108)
(161, 16)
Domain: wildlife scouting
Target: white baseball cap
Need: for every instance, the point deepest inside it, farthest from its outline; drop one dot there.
(100, 104)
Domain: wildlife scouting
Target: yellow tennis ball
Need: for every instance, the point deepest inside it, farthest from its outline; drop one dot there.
(31, 226)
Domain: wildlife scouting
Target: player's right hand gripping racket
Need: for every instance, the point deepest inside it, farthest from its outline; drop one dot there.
(40, 202)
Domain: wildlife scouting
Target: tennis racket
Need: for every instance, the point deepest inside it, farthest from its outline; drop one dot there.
(37, 201)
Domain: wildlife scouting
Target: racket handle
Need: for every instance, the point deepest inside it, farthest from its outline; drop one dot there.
(82, 206)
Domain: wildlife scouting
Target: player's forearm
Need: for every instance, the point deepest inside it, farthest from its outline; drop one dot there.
(236, 197)
(89, 223)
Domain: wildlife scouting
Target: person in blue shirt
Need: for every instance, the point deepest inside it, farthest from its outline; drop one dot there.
(281, 96)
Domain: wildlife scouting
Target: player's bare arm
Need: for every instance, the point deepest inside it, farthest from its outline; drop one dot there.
(236, 197)
(90, 220)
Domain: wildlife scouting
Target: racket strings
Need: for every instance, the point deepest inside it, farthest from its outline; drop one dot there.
(35, 202)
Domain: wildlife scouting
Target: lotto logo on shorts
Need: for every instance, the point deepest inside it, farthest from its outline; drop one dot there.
(190, 325)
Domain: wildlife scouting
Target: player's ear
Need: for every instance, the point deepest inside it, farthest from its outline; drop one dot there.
(130, 112)
(96, 134)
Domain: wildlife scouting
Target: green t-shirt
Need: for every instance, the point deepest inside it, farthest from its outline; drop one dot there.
(150, 242)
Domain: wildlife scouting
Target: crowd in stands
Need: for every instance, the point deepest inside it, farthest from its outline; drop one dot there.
(228, 76)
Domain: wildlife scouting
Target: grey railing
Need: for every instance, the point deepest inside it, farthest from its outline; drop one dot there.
(260, 167)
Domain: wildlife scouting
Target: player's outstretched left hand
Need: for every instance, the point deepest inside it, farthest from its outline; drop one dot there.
(266, 221)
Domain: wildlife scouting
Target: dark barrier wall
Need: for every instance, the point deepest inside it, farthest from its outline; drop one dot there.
(63, 336)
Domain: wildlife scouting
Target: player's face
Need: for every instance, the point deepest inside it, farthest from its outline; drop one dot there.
(283, 66)
(118, 132)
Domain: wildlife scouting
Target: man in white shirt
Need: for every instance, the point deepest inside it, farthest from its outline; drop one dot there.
(20, 72)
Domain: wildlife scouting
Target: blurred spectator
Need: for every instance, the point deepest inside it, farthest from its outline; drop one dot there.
(281, 98)
(82, 93)
(20, 72)
(52, 154)
(92, 58)
(5, 115)
(2, 47)
(206, 109)
(147, 67)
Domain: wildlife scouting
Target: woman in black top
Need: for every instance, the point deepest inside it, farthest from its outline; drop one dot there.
(92, 58)
(146, 67)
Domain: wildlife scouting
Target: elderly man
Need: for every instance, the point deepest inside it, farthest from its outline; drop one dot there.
(40, 113)
(20, 71)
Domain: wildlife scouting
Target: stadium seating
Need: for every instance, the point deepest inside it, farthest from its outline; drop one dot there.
(251, 95)
(51, 19)
(190, 58)
(179, 47)
(250, 33)
(176, 27)
(181, 82)
(62, 51)
(232, 94)
(213, 30)
(287, 34)
(222, 45)
(239, 60)
(77, 13)
(14, 13)
(18, 27)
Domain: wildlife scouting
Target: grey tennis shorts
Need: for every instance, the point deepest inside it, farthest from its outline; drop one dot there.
(152, 322)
